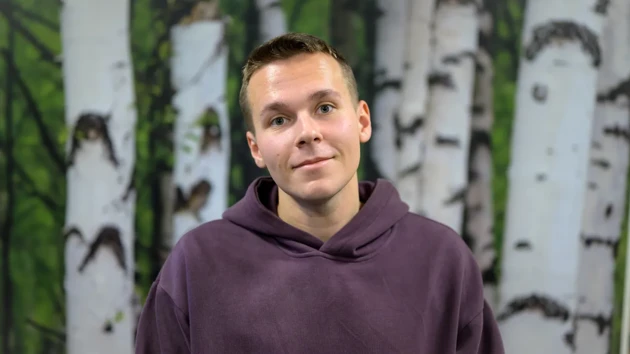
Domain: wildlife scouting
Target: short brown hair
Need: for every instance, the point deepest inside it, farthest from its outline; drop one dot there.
(285, 47)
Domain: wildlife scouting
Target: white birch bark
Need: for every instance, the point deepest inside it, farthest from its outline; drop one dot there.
(388, 75)
(606, 192)
(409, 121)
(100, 115)
(547, 175)
(445, 169)
(272, 19)
(202, 131)
(479, 221)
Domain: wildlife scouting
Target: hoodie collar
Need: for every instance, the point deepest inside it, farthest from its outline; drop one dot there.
(363, 234)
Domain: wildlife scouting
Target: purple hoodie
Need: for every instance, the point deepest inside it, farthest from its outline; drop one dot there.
(388, 282)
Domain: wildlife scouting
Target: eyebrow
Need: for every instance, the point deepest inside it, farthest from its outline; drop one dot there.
(315, 96)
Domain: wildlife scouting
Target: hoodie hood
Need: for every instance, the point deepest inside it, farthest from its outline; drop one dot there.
(366, 231)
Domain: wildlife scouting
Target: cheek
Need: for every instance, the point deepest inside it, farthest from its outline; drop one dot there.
(273, 153)
(347, 130)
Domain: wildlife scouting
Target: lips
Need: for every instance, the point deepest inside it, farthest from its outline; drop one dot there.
(311, 161)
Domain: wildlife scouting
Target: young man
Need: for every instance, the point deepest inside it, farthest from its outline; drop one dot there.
(311, 260)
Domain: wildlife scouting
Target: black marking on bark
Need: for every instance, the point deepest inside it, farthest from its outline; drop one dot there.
(476, 208)
(481, 138)
(91, 127)
(489, 275)
(413, 169)
(609, 210)
(473, 174)
(548, 307)
(592, 185)
(211, 136)
(406, 65)
(188, 12)
(457, 197)
(596, 145)
(379, 73)
(469, 240)
(72, 232)
(479, 68)
(539, 92)
(594, 240)
(618, 132)
(389, 84)
(621, 89)
(477, 110)
(602, 322)
(561, 31)
(410, 129)
(457, 58)
(569, 338)
(601, 7)
(441, 78)
(109, 236)
(108, 327)
(131, 186)
(523, 245)
(601, 163)
(446, 141)
(541, 177)
(196, 199)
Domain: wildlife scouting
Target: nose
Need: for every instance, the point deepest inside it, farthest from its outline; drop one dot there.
(309, 131)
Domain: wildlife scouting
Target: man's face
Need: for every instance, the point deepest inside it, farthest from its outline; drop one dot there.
(308, 129)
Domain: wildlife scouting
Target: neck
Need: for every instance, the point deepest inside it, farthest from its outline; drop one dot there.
(321, 220)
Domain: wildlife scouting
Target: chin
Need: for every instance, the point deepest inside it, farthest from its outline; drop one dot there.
(318, 190)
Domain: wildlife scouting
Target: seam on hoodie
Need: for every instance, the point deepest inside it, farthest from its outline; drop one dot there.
(471, 320)
(170, 298)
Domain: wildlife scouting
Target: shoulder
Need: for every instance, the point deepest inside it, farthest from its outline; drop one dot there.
(192, 255)
(448, 261)
(439, 238)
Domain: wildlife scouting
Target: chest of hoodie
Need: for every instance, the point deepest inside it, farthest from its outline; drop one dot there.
(261, 301)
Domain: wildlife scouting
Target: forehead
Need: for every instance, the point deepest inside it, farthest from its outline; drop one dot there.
(293, 78)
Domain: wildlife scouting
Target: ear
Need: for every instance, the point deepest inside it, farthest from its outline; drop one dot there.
(254, 150)
(364, 121)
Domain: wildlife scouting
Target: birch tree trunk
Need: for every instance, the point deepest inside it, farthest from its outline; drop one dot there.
(547, 176)
(388, 76)
(272, 20)
(202, 131)
(409, 121)
(479, 213)
(604, 207)
(445, 170)
(99, 231)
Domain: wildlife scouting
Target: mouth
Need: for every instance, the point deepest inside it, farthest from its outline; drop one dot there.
(312, 162)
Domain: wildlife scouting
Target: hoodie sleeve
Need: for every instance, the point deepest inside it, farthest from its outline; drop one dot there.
(163, 327)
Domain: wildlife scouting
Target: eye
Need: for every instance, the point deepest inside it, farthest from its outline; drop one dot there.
(277, 121)
(326, 108)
